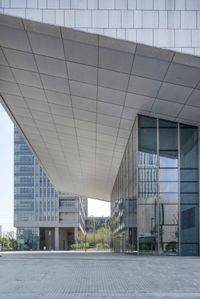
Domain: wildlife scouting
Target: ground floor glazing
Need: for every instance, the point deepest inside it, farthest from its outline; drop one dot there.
(155, 198)
(47, 238)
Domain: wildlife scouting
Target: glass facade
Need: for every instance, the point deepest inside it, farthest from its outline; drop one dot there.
(35, 198)
(189, 190)
(28, 238)
(39, 210)
(124, 199)
(164, 183)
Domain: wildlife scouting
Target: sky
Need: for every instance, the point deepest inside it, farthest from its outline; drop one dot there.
(6, 171)
(95, 207)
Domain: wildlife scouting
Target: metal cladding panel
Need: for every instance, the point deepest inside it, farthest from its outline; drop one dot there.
(74, 96)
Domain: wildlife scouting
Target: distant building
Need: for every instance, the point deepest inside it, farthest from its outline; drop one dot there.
(0, 231)
(44, 218)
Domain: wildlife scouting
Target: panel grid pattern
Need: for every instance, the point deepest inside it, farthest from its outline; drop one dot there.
(173, 24)
(75, 96)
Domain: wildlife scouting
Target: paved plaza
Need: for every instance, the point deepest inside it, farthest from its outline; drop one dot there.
(97, 275)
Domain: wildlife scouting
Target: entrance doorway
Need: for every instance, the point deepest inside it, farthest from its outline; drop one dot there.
(66, 237)
(47, 238)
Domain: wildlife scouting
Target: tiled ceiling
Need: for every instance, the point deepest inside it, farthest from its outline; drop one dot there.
(75, 95)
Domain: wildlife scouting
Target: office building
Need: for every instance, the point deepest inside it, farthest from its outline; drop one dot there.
(155, 198)
(44, 218)
(88, 98)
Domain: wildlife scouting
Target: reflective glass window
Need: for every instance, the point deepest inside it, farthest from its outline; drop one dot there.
(168, 135)
(188, 175)
(188, 187)
(189, 198)
(168, 198)
(168, 187)
(188, 147)
(168, 214)
(189, 229)
(168, 233)
(147, 134)
(168, 174)
(191, 249)
(168, 159)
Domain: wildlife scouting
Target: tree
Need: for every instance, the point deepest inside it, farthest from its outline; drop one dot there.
(8, 241)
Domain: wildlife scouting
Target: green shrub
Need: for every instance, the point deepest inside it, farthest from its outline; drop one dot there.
(102, 246)
(79, 246)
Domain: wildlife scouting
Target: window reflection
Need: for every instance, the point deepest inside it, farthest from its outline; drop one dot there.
(168, 174)
(168, 159)
(168, 214)
(168, 234)
(188, 175)
(189, 198)
(161, 173)
(168, 135)
(168, 187)
(189, 187)
(168, 198)
(148, 228)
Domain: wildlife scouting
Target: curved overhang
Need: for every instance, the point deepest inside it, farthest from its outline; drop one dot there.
(75, 95)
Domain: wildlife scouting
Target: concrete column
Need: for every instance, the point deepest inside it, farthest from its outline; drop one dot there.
(56, 238)
(76, 234)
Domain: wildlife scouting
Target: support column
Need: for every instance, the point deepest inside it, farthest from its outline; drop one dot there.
(56, 238)
(76, 234)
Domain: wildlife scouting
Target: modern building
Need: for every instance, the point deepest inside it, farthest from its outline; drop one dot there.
(111, 110)
(44, 218)
(155, 198)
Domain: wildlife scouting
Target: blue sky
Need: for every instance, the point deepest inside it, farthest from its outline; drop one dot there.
(95, 207)
(6, 170)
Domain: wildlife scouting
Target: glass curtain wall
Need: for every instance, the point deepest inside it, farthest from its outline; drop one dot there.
(35, 198)
(189, 196)
(28, 238)
(168, 202)
(168, 188)
(124, 199)
(155, 198)
(147, 185)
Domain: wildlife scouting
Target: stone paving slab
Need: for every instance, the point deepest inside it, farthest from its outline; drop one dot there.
(97, 275)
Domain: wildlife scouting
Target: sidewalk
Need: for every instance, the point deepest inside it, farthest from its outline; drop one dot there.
(75, 275)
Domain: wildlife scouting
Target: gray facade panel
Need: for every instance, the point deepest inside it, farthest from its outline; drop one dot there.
(173, 19)
(188, 19)
(121, 4)
(17, 4)
(144, 4)
(107, 4)
(77, 4)
(127, 19)
(53, 3)
(114, 19)
(100, 18)
(192, 4)
(150, 19)
(43, 3)
(34, 14)
(170, 4)
(183, 38)
(48, 16)
(159, 4)
(32, 4)
(123, 19)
